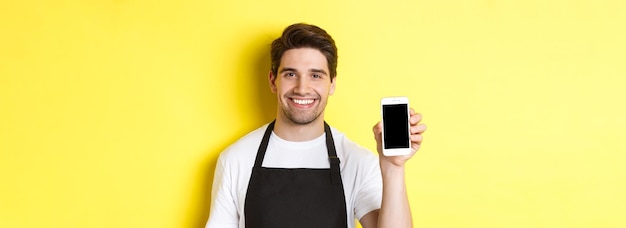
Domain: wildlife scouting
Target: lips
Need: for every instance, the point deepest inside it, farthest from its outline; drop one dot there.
(303, 103)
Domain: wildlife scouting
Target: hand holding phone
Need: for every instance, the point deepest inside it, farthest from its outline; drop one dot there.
(396, 127)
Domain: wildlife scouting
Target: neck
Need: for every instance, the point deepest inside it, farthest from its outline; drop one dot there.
(287, 130)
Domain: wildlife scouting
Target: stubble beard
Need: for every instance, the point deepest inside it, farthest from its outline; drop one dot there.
(303, 117)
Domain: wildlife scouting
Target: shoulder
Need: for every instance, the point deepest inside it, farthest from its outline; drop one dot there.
(350, 150)
(245, 147)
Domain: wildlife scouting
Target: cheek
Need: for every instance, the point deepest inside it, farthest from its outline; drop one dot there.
(282, 89)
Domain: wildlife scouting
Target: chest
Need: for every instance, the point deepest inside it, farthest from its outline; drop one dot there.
(313, 156)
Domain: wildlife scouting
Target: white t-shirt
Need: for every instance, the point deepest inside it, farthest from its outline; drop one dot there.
(360, 173)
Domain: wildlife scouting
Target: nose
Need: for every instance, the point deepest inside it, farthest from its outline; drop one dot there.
(302, 86)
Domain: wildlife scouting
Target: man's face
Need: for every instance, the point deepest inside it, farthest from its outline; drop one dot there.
(302, 85)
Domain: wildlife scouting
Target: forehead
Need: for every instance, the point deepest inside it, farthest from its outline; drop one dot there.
(304, 59)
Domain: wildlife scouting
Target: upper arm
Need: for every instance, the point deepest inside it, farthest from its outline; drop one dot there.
(370, 220)
(223, 212)
(368, 196)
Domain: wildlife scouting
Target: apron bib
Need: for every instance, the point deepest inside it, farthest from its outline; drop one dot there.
(287, 198)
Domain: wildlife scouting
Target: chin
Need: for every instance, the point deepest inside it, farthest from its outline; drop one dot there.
(303, 120)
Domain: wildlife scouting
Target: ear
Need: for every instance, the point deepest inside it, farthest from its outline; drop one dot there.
(272, 81)
(333, 82)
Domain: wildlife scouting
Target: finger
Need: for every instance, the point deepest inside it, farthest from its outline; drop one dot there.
(414, 148)
(415, 118)
(418, 129)
(377, 129)
(411, 111)
(417, 139)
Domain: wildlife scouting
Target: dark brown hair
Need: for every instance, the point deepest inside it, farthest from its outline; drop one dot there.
(305, 36)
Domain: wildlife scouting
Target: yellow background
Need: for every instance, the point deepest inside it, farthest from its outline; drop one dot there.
(112, 113)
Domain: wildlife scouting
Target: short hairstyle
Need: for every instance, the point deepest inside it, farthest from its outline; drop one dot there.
(302, 35)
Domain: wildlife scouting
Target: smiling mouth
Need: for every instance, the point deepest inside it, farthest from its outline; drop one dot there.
(303, 101)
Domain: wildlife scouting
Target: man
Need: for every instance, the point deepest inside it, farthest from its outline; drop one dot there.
(299, 172)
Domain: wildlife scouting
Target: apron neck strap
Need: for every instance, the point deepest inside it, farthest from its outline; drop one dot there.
(335, 173)
(260, 154)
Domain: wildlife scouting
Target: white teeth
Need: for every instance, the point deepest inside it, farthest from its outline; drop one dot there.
(302, 102)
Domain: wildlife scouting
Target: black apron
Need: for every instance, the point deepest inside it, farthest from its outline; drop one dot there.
(278, 197)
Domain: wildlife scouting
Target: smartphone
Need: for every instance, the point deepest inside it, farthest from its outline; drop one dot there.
(396, 127)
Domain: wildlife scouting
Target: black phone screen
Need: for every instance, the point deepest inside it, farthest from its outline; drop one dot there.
(396, 126)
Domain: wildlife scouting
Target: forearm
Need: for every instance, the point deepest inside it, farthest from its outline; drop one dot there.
(395, 210)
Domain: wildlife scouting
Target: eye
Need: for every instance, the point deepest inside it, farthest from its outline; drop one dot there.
(290, 74)
(317, 76)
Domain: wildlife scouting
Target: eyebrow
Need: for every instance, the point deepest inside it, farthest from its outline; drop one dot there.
(318, 71)
(287, 69)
